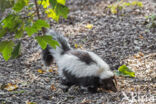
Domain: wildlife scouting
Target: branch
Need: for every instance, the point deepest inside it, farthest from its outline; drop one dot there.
(38, 15)
(37, 9)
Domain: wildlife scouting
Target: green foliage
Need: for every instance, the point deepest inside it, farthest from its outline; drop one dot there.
(125, 71)
(20, 4)
(62, 10)
(44, 40)
(16, 51)
(57, 9)
(16, 24)
(36, 27)
(4, 4)
(114, 8)
(6, 48)
(61, 2)
(11, 23)
(151, 21)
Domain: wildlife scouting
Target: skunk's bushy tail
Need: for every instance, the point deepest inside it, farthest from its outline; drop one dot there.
(50, 54)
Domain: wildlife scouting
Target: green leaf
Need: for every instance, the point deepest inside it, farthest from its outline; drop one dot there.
(30, 6)
(117, 73)
(139, 4)
(18, 92)
(50, 41)
(19, 33)
(2, 32)
(41, 42)
(4, 4)
(16, 51)
(8, 21)
(36, 27)
(6, 48)
(40, 23)
(51, 13)
(153, 17)
(20, 5)
(126, 4)
(59, 8)
(12, 22)
(44, 40)
(61, 2)
(53, 3)
(30, 30)
(45, 3)
(125, 71)
(62, 10)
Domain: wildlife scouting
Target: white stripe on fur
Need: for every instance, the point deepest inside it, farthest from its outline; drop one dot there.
(78, 68)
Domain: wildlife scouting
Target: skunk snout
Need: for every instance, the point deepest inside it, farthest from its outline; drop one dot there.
(110, 84)
(111, 87)
(114, 89)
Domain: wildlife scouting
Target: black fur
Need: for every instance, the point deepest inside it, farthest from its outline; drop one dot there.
(62, 41)
(69, 79)
(83, 56)
(47, 57)
(91, 82)
(64, 45)
(108, 84)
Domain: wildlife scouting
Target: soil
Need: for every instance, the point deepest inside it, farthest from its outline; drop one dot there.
(118, 39)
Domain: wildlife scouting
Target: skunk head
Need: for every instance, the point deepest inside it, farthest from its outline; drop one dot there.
(109, 84)
(108, 81)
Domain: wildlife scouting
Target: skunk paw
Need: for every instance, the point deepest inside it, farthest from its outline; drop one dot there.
(92, 89)
(64, 88)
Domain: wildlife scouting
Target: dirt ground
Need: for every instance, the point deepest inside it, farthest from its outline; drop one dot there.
(118, 39)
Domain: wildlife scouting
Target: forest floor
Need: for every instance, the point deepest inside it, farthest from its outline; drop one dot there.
(118, 39)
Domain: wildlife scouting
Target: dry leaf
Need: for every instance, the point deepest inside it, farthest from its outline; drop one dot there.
(77, 46)
(89, 26)
(53, 87)
(141, 54)
(85, 101)
(50, 70)
(136, 56)
(10, 87)
(141, 37)
(28, 102)
(41, 71)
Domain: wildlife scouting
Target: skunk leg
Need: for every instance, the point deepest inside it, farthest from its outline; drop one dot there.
(82, 88)
(67, 84)
(92, 89)
(65, 88)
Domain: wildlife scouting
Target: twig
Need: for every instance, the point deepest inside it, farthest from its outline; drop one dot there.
(37, 9)
(38, 15)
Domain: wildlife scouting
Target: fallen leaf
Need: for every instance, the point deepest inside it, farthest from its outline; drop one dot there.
(137, 56)
(89, 26)
(28, 102)
(50, 70)
(10, 87)
(53, 87)
(85, 101)
(124, 71)
(141, 37)
(18, 92)
(141, 54)
(77, 46)
(41, 71)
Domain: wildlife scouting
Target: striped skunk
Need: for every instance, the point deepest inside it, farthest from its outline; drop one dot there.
(79, 67)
